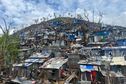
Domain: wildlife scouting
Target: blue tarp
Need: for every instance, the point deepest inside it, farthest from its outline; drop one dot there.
(121, 42)
(56, 23)
(90, 67)
(71, 37)
(102, 33)
(77, 21)
(86, 67)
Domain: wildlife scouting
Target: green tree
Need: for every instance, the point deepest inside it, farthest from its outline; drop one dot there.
(9, 45)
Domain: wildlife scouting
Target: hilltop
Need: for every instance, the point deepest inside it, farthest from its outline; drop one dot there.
(66, 23)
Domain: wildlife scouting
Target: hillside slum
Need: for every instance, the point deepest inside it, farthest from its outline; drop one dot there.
(70, 51)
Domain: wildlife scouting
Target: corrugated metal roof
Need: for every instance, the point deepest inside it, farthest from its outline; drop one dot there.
(22, 64)
(34, 60)
(54, 63)
(39, 55)
(118, 61)
(119, 47)
(85, 62)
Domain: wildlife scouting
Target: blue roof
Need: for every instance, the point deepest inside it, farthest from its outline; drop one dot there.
(27, 64)
(56, 23)
(114, 48)
(121, 42)
(71, 37)
(77, 21)
(102, 33)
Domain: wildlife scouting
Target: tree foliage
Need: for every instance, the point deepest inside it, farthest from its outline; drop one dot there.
(9, 45)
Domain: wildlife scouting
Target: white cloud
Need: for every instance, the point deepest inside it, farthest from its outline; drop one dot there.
(25, 11)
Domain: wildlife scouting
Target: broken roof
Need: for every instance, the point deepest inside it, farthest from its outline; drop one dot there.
(54, 63)
(22, 65)
(34, 60)
(118, 47)
(39, 55)
(118, 61)
(86, 62)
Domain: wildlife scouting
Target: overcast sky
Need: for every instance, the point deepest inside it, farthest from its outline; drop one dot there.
(25, 11)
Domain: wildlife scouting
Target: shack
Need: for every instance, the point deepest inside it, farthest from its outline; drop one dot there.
(90, 72)
(56, 68)
(29, 65)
